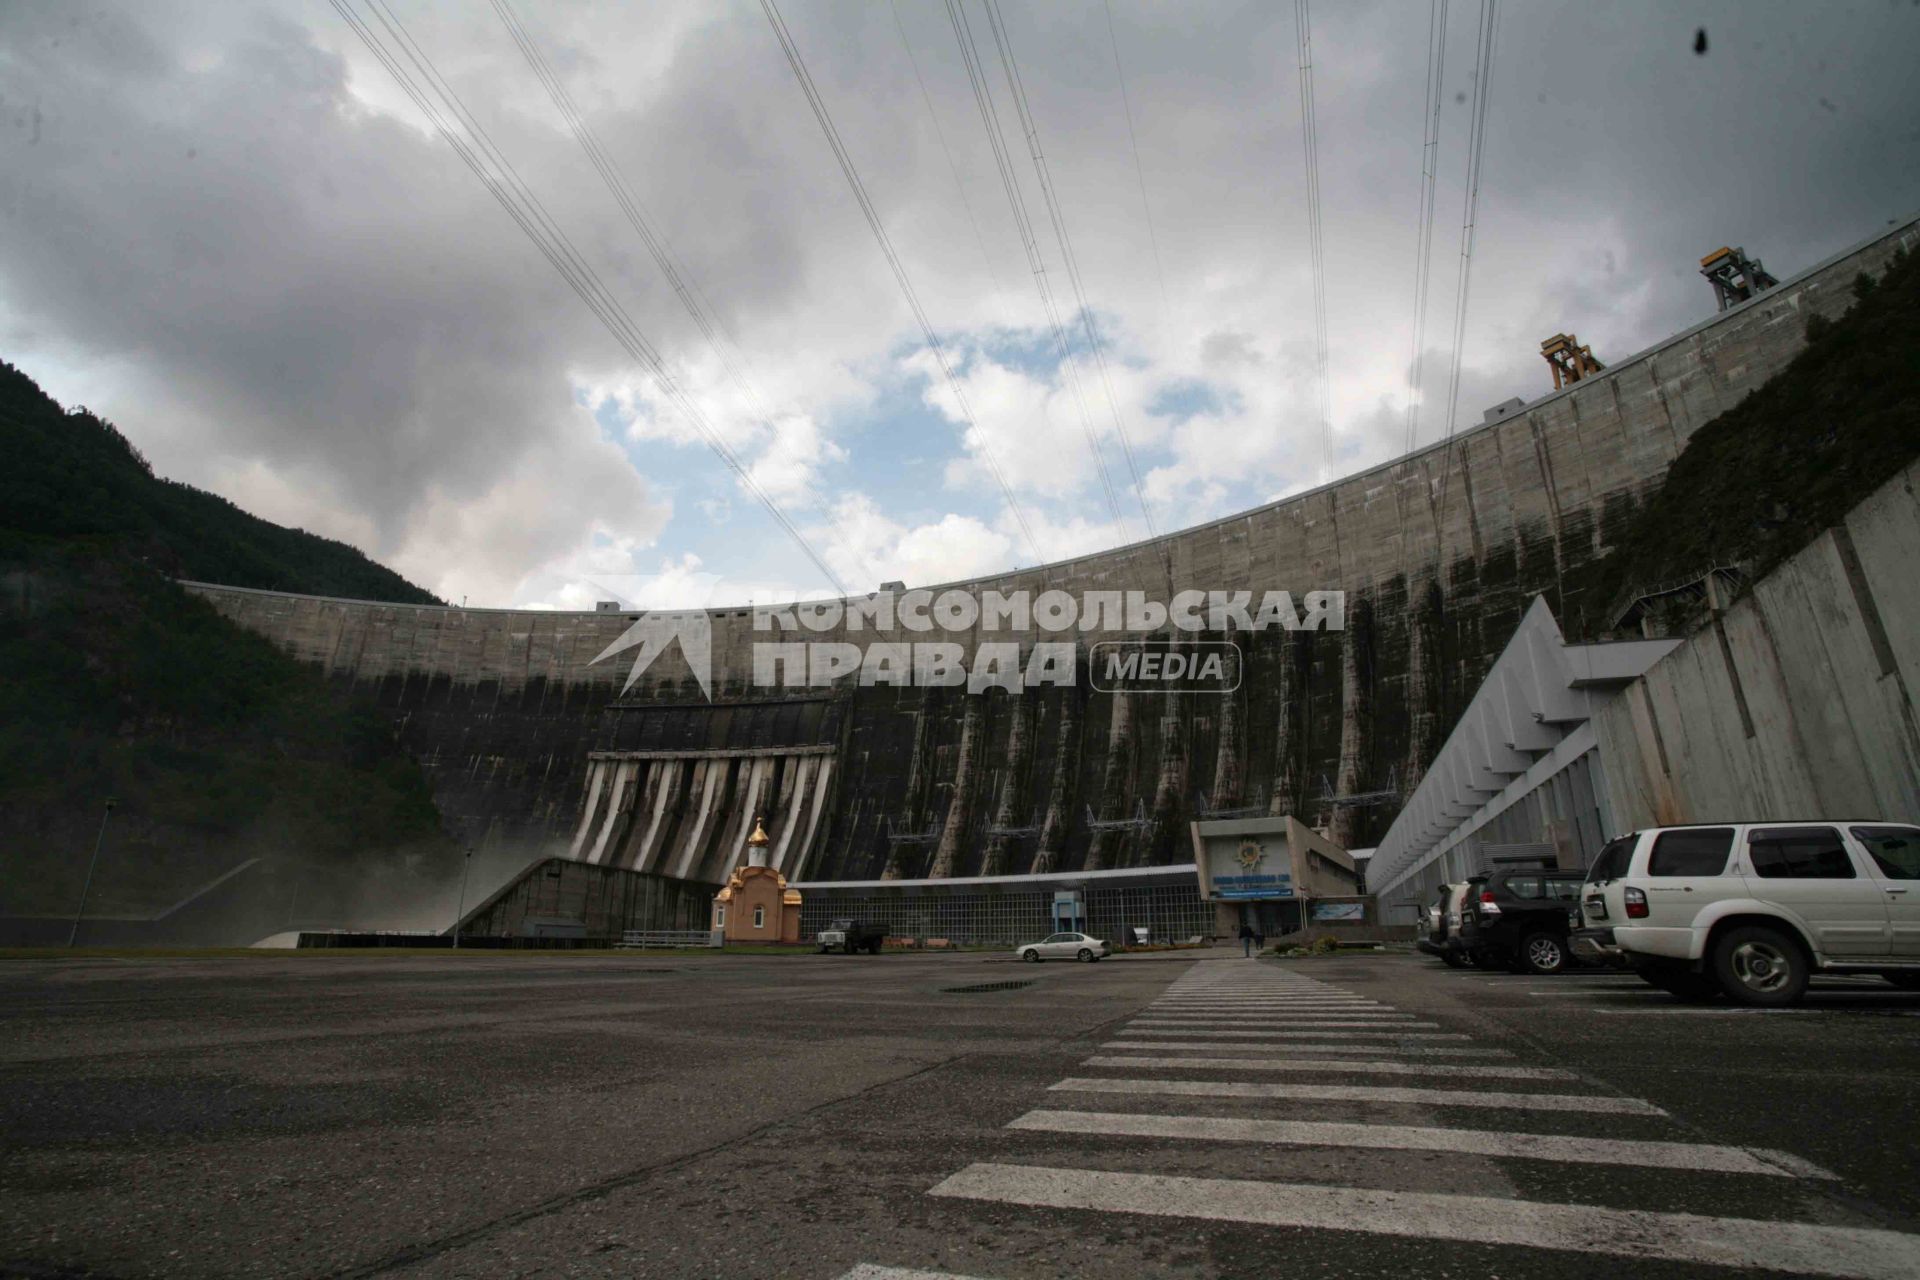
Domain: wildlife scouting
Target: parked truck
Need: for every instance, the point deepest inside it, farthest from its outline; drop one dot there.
(852, 936)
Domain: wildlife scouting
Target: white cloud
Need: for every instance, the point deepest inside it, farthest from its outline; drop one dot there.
(865, 547)
(228, 231)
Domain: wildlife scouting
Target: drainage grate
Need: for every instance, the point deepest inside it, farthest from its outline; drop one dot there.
(987, 986)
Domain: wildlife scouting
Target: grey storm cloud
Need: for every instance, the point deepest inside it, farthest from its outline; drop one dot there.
(226, 229)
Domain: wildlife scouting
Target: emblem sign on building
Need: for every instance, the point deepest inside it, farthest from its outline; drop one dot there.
(1270, 860)
(1244, 860)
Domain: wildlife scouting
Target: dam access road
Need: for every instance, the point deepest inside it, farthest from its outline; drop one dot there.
(479, 1114)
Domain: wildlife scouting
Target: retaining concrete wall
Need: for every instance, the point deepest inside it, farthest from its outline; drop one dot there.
(1439, 554)
(1798, 703)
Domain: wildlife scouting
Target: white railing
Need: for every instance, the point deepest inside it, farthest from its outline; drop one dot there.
(640, 939)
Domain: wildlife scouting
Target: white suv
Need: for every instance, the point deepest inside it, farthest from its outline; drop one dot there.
(1754, 908)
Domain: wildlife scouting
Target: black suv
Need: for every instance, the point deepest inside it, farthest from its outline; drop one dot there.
(1519, 918)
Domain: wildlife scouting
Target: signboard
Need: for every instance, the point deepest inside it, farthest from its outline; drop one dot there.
(1245, 859)
(1253, 886)
(1355, 912)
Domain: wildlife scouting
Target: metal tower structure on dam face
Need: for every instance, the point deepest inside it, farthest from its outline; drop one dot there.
(520, 731)
(1734, 276)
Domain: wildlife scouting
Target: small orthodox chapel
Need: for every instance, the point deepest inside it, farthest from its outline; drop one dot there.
(756, 905)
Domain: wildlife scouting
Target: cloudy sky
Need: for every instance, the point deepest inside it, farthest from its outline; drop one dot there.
(228, 230)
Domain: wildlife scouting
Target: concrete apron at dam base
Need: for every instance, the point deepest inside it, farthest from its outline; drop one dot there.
(669, 1116)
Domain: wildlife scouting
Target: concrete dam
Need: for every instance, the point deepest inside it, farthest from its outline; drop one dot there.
(531, 744)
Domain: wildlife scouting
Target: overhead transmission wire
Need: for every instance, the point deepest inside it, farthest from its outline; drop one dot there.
(1429, 173)
(1003, 42)
(724, 348)
(1310, 148)
(852, 174)
(478, 152)
(1139, 171)
(1029, 242)
(953, 165)
(1476, 151)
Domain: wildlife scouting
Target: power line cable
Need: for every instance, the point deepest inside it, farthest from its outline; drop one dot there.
(1016, 87)
(1310, 148)
(1429, 173)
(1029, 243)
(1476, 150)
(1139, 171)
(959, 185)
(724, 346)
(635, 211)
(503, 182)
(852, 174)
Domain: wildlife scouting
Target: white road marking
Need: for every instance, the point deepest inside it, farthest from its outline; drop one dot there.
(1364, 1093)
(1203, 1015)
(1329, 1010)
(867, 1271)
(1805, 1248)
(1699, 1157)
(1194, 1024)
(1291, 1045)
(1334, 1066)
(1297, 1006)
(1325, 994)
(1744, 1012)
(1329, 997)
(1302, 1035)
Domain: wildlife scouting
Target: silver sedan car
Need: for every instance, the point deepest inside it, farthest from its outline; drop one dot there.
(1063, 946)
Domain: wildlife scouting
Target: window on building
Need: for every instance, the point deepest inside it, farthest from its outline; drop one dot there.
(759, 917)
(719, 917)
(1701, 851)
(1799, 853)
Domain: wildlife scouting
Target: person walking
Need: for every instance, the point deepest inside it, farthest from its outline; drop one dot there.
(1246, 940)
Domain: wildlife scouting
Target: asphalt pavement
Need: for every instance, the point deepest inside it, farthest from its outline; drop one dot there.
(959, 1115)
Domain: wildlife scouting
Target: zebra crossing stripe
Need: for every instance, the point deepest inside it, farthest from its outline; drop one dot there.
(1204, 1016)
(1266, 1004)
(867, 1271)
(1195, 1024)
(1804, 1248)
(1315, 1007)
(1292, 1045)
(1292, 1034)
(1334, 1065)
(1263, 995)
(1559, 1148)
(1364, 1093)
(1262, 1011)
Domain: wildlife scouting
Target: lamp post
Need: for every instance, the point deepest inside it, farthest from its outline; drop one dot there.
(466, 865)
(92, 862)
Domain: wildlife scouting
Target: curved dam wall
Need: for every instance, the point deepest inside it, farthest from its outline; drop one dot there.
(528, 741)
